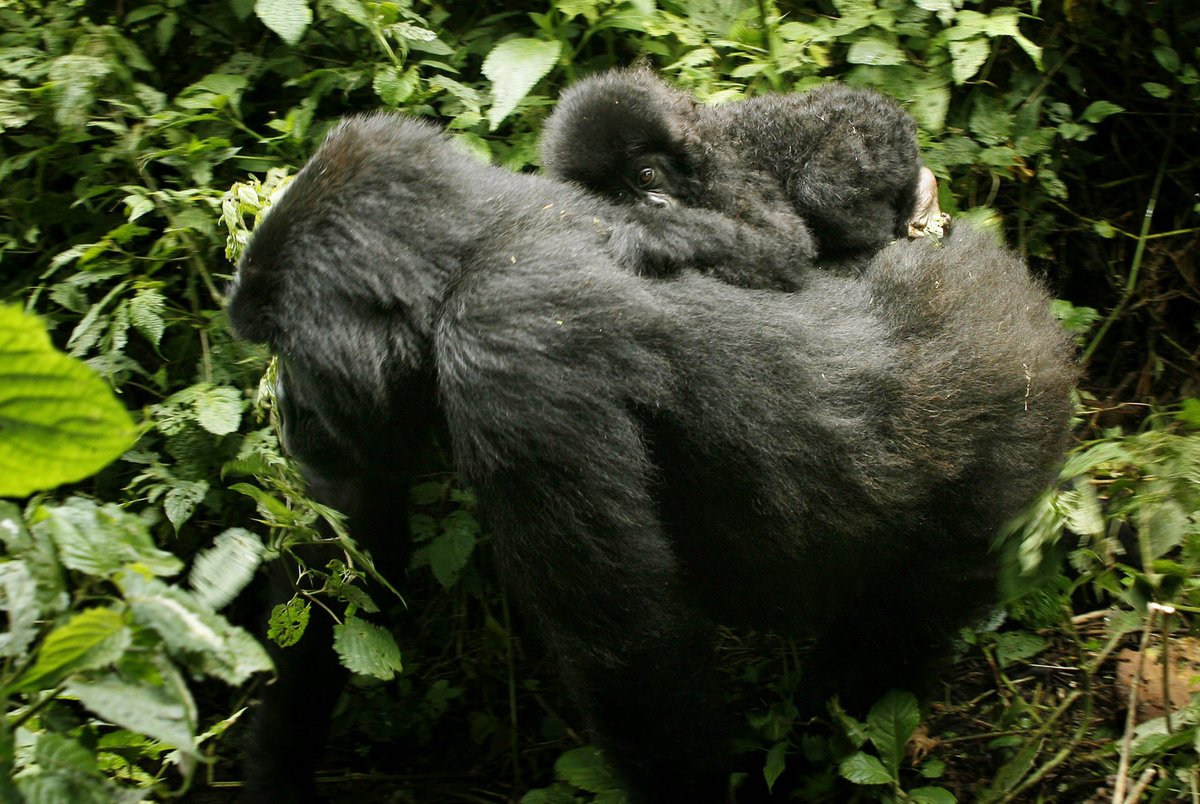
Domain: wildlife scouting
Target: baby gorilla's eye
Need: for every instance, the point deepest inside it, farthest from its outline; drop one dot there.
(646, 177)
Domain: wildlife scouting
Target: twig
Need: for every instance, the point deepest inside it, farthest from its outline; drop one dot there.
(1118, 796)
(1136, 267)
(1142, 782)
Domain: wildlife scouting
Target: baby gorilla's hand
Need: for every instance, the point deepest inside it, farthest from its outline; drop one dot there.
(927, 217)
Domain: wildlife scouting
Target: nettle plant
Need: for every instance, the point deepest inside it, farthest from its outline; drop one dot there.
(98, 643)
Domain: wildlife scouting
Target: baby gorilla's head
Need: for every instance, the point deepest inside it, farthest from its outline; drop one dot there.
(629, 136)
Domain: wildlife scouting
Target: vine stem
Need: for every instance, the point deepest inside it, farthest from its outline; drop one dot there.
(1138, 253)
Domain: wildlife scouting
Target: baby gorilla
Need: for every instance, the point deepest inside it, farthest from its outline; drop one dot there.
(838, 164)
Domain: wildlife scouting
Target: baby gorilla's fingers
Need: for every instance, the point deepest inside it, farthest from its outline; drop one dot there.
(927, 217)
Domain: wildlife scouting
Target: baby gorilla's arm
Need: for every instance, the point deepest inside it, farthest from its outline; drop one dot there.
(767, 247)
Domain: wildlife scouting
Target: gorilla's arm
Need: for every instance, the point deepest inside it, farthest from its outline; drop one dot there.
(772, 250)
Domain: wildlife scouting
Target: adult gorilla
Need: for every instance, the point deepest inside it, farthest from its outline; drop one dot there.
(652, 454)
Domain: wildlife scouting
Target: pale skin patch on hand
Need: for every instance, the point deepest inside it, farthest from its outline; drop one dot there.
(928, 218)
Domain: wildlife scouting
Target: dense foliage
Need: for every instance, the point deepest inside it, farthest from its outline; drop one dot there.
(139, 141)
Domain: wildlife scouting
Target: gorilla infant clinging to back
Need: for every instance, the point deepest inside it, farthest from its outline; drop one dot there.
(653, 455)
(839, 159)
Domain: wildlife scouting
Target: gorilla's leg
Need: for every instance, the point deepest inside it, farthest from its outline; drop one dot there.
(289, 727)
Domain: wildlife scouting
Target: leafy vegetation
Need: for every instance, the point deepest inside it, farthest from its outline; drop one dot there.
(139, 142)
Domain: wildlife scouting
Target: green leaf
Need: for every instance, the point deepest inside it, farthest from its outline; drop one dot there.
(158, 705)
(54, 752)
(1013, 646)
(449, 553)
(59, 422)
(514, 67)
(1161, 527)
(145, 313)
(218, 408)
(100, 540)
(775, 765)
(219, 574)
(182, 498)
(288, 621)
(91, 639)
(1157, 90)
(18, 602)
(931, 795)
(367, 649)
(197, 636)
(587, 769)
(394, 85)
(1097, 111)
(890, 723)
(1167, 58)
(864, 769)
(288, 18)
(876, 49)
(966, 57)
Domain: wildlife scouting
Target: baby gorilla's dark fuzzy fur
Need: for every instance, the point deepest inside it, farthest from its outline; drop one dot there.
(653, 455)
(842, 160)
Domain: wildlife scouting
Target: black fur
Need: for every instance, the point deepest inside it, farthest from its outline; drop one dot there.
(844, 157)
(653, 455)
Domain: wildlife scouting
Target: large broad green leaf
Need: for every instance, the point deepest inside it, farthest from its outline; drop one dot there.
(193, 633)
(90, 639)
(366, 648)
(514, 67)
(288, 18)
(59, 422)
(890, 723)
(587, 769)
(156, 702)
(863, 768)
(102, 539)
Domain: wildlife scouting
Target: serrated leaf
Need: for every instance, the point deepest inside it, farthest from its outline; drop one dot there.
(219, 408)
(59, 422)
(877, 50)
(56, 752)
(195, 635)
(160, 706)
(587, 769)
(1013, 646)
(367, 649)
(449, 553)
(90, 639)
(890, 723)
(145, 313)
(18, 602)
(514, 67)
(394, 85)
(288, 622)
(966, 57)
(220, 573)
(182, 498)
(100, 540)
(288, 18)
(864, 769)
